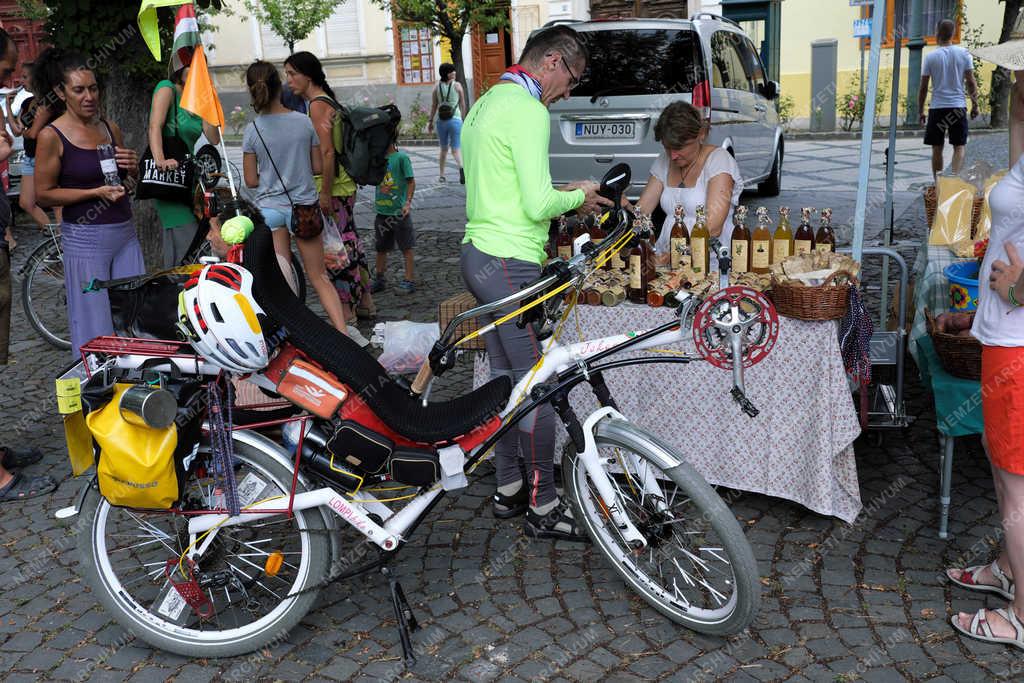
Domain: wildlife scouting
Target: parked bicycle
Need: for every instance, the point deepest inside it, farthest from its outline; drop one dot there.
(201, 582)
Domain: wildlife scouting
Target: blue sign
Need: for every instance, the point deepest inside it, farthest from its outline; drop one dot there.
(862, 28)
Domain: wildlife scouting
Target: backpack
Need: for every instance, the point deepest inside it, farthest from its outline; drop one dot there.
(361, 137)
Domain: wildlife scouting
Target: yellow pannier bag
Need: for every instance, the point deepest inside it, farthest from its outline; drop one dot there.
(136, 467)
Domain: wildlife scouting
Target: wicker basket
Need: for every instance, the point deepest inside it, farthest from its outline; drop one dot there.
(931, 200)
(959, 356)
(453, 306)
(827, 301)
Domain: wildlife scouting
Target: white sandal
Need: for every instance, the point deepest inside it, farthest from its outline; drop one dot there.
(985, 634)
(1005, 587)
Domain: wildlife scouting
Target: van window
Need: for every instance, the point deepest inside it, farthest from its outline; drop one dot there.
(752, 63)
(727, 67)
(641, 62)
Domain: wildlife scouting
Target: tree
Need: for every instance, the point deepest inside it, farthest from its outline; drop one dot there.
(107, 33)
(999, 95)
(293, 20)
(450, 19)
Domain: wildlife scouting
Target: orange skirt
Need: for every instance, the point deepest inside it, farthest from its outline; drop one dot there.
(1002, 404)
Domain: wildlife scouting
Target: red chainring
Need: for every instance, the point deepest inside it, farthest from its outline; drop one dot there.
(711, 340)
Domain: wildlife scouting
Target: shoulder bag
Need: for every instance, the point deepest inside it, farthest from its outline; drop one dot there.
(307, 220)
(173, 185)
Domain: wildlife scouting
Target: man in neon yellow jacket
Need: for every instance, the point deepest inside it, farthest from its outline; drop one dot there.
(509, 203)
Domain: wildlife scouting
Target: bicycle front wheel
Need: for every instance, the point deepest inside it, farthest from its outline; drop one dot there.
(43, 295)
(126, 556)
(697, 568)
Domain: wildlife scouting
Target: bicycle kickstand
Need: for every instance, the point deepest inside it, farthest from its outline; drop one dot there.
(403, 615)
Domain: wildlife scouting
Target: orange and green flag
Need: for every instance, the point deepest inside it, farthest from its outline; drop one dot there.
(199, 96)
(148, 26)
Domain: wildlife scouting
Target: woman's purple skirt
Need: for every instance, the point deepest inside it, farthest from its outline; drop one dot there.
(101, 252)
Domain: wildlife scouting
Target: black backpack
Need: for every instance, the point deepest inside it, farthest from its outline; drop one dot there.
(365, 135)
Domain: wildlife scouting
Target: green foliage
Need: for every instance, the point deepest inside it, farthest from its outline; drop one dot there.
(786, 108)
(852, 104)
(450, 19)
(417, 120)
(293, 20)
(971, 38)
(237, 120)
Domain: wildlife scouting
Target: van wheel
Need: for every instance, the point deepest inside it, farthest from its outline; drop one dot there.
(772, 185)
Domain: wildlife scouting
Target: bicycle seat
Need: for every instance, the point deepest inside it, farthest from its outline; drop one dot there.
(434, 423)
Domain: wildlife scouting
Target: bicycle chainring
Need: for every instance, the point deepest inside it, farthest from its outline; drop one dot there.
(756, 320)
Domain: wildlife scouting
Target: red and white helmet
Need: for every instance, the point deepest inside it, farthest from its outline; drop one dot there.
(221, 320)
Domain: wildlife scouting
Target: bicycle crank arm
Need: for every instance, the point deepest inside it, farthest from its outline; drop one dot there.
(348, 510)
(591, 460)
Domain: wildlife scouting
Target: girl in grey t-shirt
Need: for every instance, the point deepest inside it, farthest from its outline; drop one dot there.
(280, 155)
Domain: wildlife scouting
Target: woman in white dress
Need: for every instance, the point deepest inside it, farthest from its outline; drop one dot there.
(690, 172)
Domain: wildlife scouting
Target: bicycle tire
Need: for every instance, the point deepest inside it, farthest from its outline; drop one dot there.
(742, 606)
(150, 626)
(41, 257)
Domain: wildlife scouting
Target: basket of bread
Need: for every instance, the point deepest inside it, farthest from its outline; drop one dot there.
(959, 353)
(813, 286)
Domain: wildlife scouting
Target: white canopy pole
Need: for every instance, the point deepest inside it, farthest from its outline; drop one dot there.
(877, 19)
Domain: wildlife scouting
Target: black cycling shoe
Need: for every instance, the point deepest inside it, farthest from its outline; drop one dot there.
(558, 524)
(507, 507)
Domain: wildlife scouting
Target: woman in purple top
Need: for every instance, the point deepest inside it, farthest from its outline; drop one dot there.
(97, 232)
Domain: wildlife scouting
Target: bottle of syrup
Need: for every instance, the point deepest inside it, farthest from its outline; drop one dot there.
(760, 242)
(825, 240)
(803, 240)
(699, 238)
(740, 242)
(641, 266)
(782, 242)
(564, 241)
(679, 241)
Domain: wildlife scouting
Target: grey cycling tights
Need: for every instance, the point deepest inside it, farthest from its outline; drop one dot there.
(513, 352)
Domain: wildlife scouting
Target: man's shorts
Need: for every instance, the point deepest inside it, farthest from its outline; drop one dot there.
(942, 120)
(387, 230)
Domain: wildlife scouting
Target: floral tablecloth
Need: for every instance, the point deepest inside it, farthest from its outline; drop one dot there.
(800, 446)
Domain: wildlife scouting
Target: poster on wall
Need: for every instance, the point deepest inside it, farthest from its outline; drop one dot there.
(415, 76)
(414, 48)
(428, 76)
(424, 34)
(406, 63)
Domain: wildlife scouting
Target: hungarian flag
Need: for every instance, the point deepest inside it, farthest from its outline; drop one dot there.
(148, 26)
(186, 37)
(199, 95)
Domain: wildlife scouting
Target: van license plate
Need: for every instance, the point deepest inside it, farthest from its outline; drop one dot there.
(605, 130)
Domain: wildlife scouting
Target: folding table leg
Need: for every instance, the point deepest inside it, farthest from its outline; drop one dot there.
(947, 479)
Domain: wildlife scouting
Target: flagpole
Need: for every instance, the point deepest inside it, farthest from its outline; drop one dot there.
(227, 164)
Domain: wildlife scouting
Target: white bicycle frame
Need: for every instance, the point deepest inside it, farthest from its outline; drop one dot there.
(391, 532)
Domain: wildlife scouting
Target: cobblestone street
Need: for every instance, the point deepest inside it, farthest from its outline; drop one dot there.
(840, 602)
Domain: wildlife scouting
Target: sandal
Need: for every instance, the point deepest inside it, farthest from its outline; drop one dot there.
(969, 580)
(558, 524)
(21, 487)
(985, 632)
(16, 459)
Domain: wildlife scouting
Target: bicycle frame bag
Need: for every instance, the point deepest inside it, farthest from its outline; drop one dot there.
(145, 307)
(415, 467)
(360, 447)
(312, 389)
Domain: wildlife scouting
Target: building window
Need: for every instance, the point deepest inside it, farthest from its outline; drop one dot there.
(342, 30)
(897, 14)
(414, 55)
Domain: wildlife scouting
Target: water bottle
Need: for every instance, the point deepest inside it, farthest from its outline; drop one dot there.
(108, 165)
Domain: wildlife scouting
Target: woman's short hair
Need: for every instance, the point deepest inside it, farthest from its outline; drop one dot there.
(678, 124)
(264, 84)
(445, 69)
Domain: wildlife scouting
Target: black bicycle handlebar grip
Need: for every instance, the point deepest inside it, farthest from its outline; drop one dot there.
(588, 248)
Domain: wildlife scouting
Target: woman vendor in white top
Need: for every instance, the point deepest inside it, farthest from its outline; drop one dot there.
(690, 172)
(999, 326)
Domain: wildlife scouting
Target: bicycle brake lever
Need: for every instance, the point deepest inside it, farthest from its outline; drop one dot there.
(744, 402)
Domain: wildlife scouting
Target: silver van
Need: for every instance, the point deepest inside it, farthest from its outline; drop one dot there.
(637, 67)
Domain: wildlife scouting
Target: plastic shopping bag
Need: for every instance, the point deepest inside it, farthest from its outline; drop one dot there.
(406, 345)
(953, 211)
(985, 222)
(335, 254)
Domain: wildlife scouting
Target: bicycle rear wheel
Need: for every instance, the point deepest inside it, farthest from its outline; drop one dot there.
(43, 295)
(698, 568)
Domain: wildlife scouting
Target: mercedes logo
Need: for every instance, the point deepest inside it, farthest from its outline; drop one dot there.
(604, 102)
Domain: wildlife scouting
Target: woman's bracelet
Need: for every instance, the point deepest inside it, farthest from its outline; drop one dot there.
(1012, 298)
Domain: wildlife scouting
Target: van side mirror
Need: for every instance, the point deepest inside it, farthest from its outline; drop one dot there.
(770, 89)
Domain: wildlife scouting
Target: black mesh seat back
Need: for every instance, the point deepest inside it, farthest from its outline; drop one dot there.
(358, 369)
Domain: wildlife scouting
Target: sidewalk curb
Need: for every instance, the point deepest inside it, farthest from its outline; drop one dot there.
(879, 134)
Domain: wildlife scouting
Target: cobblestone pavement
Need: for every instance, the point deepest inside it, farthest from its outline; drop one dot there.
(841, 602)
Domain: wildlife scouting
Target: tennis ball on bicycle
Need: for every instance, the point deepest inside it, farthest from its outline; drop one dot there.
(235, 230)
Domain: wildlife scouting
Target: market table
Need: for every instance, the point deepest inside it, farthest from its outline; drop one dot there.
(931, 289)
(957, 413)
(800, 447)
